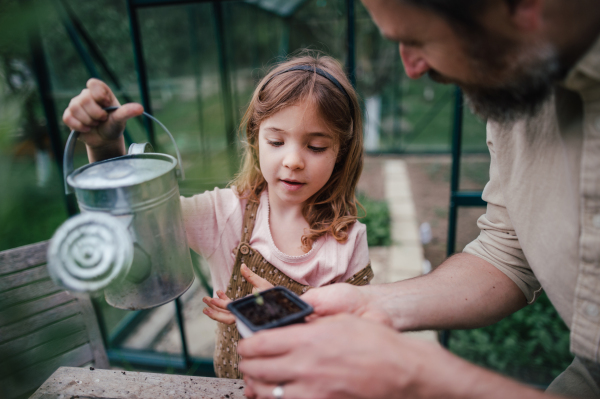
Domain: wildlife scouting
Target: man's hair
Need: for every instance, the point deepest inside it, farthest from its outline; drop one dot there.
(461, 13)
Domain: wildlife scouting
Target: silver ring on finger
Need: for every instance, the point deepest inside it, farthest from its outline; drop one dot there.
(278, 392)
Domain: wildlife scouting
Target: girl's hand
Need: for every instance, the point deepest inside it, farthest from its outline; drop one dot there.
(101, 131)
(218, 306)
(259, 283)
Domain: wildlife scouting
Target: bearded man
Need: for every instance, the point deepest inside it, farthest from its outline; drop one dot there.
(532, 69)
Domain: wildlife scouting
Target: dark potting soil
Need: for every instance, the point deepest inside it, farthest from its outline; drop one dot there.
(275, 306)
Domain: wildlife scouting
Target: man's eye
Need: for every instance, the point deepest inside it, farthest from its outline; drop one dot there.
(275, 143)
(317, 149)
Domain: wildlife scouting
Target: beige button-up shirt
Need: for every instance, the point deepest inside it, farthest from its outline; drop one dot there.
(542, 223)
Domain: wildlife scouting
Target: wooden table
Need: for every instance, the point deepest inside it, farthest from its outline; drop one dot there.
(74, 382)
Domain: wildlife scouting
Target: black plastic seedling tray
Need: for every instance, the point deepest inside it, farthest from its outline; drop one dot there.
(275, 307)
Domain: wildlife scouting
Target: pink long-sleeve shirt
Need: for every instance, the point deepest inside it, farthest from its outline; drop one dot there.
(213, 222)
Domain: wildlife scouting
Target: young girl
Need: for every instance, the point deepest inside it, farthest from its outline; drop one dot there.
(290, 216)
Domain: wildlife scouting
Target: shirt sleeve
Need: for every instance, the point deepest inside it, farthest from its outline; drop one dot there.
(206, 218)
(359, 258)
(498, 242)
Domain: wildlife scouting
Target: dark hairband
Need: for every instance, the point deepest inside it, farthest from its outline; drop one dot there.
(318, 71)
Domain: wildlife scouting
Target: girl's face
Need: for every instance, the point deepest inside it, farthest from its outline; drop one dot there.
(297, 153)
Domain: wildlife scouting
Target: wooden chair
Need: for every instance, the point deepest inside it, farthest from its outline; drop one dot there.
(42, 326)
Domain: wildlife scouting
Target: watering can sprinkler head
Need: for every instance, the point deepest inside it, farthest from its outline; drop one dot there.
(129, 240)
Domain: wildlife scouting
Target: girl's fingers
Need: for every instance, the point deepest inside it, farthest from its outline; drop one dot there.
(101, 93)
(258, 282)
(127, 111)
(210, 302)
(92, 108)
(225, 318)
(223, 296)
(73, 123)
(220, 303)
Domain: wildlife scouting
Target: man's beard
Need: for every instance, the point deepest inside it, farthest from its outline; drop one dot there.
(507, 87)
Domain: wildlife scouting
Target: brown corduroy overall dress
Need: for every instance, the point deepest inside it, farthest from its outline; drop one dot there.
(226, 358)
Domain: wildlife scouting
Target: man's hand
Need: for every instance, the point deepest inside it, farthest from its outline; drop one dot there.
(349, 357)
(345, 298)
(217, 309)
(333, 357)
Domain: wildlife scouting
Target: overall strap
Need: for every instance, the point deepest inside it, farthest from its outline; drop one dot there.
(249, 220)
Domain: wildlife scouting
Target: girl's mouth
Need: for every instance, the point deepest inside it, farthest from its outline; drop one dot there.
(292, 185)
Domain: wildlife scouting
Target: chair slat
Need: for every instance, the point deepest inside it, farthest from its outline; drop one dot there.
(42, 336)
(27, 293)
(23, 257)
(28, 309)
(23, 327)
(29, 379)
(16, 360)
(23, 277)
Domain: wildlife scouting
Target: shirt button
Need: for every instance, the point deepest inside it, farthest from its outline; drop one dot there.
(596, 221)
(591, 310)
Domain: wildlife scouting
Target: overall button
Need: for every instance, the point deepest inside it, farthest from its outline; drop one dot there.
(592, 310)
(596, 221)
(245, 249)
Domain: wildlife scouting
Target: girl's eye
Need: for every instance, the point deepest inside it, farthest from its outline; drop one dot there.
(275, 143)
(317, 149)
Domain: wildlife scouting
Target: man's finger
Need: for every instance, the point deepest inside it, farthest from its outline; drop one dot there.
(273, 342)
(274, 370)
(260, 390)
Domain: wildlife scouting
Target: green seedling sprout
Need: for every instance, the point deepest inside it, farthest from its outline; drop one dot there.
(259, 299)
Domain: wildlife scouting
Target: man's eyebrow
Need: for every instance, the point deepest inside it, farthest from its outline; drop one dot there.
(398, 38)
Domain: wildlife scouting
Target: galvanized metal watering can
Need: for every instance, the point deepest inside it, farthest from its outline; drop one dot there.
(129, 240)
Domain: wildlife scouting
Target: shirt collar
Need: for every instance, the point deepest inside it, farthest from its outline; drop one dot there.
(588, 67)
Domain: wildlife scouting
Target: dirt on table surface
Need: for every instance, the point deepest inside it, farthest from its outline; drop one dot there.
(430, 185)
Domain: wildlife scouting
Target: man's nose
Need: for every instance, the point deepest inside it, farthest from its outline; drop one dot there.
(414, 64)
(293, 159)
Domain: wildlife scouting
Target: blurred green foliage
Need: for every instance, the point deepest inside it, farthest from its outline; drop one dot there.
(531, 345)
(377, 220)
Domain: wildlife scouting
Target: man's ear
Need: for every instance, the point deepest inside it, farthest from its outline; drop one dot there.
(527, 14)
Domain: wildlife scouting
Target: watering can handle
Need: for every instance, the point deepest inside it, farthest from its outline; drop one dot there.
(72, 140)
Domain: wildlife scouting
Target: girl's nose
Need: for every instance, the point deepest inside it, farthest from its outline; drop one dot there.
(293, 160)
(414, 64)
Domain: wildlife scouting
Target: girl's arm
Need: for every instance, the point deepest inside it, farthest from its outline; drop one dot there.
(101, 131)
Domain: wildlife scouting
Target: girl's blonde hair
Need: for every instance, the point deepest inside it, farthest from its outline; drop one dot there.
(333, 209)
